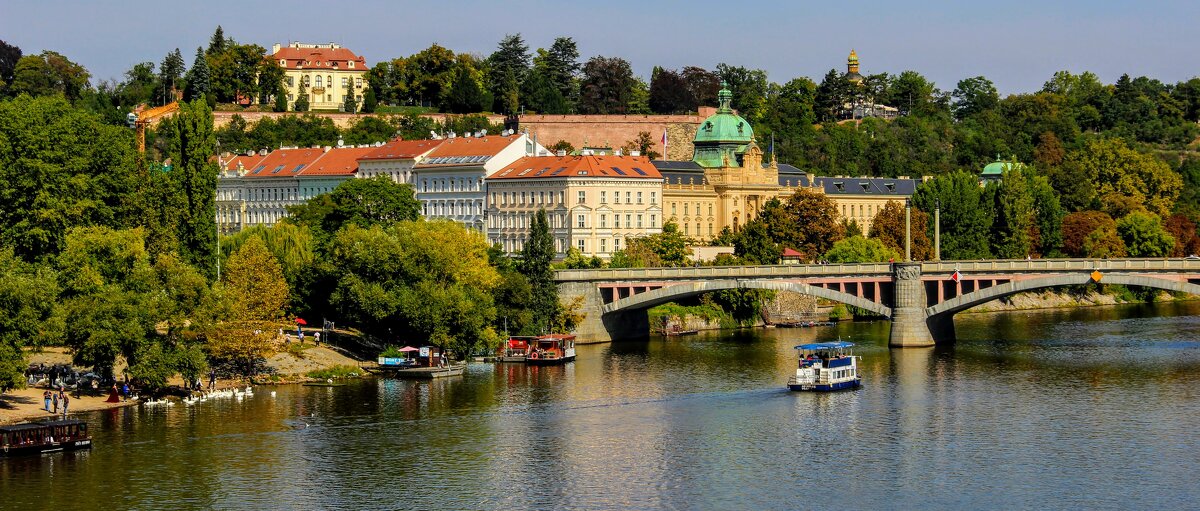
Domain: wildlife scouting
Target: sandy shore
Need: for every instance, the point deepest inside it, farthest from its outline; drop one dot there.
(26, 404)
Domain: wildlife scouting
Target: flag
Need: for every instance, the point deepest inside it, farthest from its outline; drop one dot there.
(664, 143)
(956, 276)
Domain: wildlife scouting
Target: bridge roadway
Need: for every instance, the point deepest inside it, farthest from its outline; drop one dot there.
(920, 299)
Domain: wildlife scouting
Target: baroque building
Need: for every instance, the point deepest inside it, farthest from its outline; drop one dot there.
(726, 183)
(328, 72)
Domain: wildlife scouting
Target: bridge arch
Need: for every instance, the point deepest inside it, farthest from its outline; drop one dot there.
(688, 289)
(966, 301)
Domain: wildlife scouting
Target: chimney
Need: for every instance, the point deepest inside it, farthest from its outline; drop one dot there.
(274, 48)
(560, 152)
(635, 153)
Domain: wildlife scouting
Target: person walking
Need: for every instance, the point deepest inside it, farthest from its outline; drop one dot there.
(46, 397)
(212, 379)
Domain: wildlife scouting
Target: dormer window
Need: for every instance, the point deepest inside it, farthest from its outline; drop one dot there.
(890, 186)
(841, 187)
(865, 186)
(708, 126)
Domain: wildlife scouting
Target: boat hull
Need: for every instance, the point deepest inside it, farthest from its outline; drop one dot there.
(548, 361)
(27, 450)
(419, 373)
(829, 387)
(517, 359)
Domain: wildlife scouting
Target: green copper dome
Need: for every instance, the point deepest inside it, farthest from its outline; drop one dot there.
(723, 134)
(995, 170)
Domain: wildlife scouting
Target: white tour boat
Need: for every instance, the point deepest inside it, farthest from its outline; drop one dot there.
(825, 367)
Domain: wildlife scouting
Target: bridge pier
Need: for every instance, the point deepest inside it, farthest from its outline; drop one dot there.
(909, 326)
(597, 326)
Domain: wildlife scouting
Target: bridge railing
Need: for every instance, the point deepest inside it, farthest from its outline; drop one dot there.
(874, 269)
(723, 272)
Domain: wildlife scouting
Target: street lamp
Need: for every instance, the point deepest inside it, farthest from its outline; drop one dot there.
(908, 230)
(937, 229)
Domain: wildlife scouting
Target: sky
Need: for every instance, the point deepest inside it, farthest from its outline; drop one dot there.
(1017, 44)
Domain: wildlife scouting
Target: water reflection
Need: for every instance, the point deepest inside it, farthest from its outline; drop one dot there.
(1084, 409)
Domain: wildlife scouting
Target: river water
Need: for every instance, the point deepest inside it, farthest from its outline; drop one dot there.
(1081, 409)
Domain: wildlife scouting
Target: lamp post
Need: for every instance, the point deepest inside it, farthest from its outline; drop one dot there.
(937, 229)
(908, 230)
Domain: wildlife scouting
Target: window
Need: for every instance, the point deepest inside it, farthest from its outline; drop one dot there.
(710, 210)
(653, 197)
(541, 197)
(639, 197)
(654, 222)
(522, 197)
(581, 246)
(628, 222)
(617, 221)
(357, 81)
(639, 221)
(616, 244)
(603, 197)
(493, 197)
(581, 221)
(318, 80)
(603, 248)
(674, 211)
(603, 221)
(628, 199)
(291, 81)
(710, 229)
(345, 82)
(582, 197)
(685, 229)
(685, 209)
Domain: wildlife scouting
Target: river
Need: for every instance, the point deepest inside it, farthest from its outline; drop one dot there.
(1093, 408)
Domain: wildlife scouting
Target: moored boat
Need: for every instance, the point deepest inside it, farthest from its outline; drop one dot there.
(45, 436)
(551, 349)
(426, 362)
(826, 366)
(516, 349)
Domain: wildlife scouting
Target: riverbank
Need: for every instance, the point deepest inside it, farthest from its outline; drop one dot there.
(27, 404)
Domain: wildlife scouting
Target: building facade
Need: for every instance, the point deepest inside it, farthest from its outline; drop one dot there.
(593, 203)
(328, 73)
(395, 159)
(256, 189)
(449, 180)
(726, 183)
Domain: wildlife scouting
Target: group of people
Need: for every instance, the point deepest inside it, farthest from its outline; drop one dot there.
(54, 398)
(287, 336)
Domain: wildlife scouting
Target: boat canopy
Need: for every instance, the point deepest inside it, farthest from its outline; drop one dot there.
(817, 346)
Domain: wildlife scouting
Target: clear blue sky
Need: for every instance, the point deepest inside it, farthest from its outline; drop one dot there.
(1017, 44)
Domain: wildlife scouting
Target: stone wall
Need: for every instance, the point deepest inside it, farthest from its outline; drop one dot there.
(789, 307)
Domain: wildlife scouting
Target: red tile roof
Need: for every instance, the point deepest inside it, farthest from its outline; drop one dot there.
(319, 58)
(791, 252)
(247, 162)
(339, 161)
(398, 149)
(543, 167)
(284, 163)
(467, 147)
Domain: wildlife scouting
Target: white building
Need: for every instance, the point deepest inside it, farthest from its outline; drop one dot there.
(593, 203)
(395, 159)
(450, 179)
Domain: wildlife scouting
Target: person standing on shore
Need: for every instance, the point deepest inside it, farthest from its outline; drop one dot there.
(55, 399)
(46, 397)
(66, 400)
(212, 379)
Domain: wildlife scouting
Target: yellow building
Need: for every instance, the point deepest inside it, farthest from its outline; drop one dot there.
(726, 183)
(328, 71)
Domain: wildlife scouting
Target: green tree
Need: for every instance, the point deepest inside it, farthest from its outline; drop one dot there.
(1144, 235)
(218, 42)
(542, 95)
(153, 368)
(1077, 226)
(753, 243)
(9, 56)
(49, 73)
(253, 285)
(350, 105)
(966, 218)
(807, 221)
(362, 202)
(191, 147)
(169, 73)
(198, 80)
(60, 167)
(465, 95)
(369, 102)
(606, 87)
(28, 298)
(857, 249)
(507, 67)
(536, 257)
(1104, 243)
(281, 101)
(1014, 219)
(667, 248)
(1125, 180)
(560, 65)
(888, 228)
(973, 96)
(749, 88)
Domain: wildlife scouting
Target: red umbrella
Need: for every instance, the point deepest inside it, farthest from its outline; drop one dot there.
(300, 321)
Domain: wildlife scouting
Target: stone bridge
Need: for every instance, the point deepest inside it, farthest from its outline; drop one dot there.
(920, 299)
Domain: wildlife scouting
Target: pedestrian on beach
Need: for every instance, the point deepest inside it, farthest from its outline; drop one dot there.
(66, 400)
(212, 379)
(125, 392)
(317, 338)
(46, 397)
(55, 398)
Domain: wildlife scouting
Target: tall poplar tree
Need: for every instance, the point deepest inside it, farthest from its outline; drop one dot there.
(535, 264)
(191, 145)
